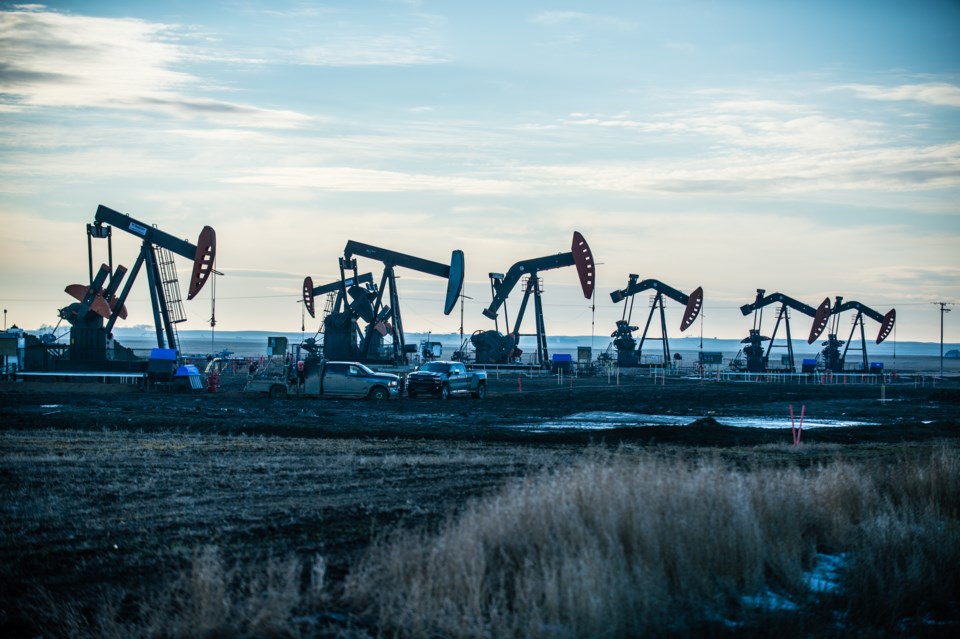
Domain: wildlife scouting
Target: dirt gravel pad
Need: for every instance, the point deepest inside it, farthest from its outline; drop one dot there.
(116, 486)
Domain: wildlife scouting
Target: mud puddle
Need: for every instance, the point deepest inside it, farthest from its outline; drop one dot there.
(603, 420)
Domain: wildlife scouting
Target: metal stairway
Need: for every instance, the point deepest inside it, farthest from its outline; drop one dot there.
(171, 291)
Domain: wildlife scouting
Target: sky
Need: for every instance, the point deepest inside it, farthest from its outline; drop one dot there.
(808, 148)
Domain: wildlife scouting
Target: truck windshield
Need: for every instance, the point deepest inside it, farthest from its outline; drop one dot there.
(435, 367)
(348, 368)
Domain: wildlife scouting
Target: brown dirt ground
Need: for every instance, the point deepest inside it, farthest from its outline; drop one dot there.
(114, 486)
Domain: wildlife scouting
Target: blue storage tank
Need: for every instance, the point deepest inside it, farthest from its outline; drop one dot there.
(562, 362)
(190, 375)
(162, 363)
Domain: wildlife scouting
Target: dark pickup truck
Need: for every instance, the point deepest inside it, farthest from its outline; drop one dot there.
(443, 378)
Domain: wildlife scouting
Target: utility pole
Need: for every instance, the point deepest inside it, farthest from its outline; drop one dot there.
(463, 296)
(943, 309)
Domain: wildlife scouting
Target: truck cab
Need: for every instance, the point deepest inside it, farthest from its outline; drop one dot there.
(315, 377)
(442, 379)
(349, 379)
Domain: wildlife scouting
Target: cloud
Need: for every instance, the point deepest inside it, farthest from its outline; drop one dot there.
(55, 59)
(559, 17)
(894, 169)
(758, 146)
(228, 113)
(221, 135)
(784, 164)
(685, 48)
(927, 280)
(751, 123)
(347, 179)
(568, 18)
(939, 94)
(261, 274)
(381, 50)
(61, 60)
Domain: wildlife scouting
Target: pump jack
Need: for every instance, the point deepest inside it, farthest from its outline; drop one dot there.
(368, 304)
(339, 322)
(89, 336)
(833, 359)
(628, 354)
(493, 348)
(757, 358)
(310, 292)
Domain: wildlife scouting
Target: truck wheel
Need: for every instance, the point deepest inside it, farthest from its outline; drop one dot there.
(481, 391)
(412, 394)
(379, 393)
(444, 392)
(277, 392)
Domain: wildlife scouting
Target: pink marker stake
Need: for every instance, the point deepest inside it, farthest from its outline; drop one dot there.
(803, 409)
(793, 429)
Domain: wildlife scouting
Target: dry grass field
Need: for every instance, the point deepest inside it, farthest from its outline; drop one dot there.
(130, 514)
(636, 544)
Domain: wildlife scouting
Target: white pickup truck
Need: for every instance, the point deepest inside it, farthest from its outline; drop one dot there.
(319, 378)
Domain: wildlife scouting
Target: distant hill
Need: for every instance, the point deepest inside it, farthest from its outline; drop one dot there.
(255, 343)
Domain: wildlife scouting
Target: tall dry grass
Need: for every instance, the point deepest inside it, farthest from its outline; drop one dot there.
(905, 553)
(620, 545)
(624, 546)
(213, 597)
